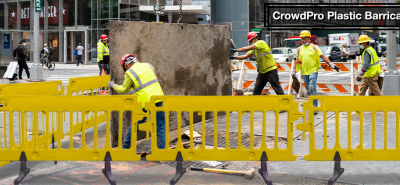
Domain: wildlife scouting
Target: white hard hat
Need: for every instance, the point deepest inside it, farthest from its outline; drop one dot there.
(45, 44)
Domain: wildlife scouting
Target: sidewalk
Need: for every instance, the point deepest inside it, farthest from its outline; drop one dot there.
(71, 66)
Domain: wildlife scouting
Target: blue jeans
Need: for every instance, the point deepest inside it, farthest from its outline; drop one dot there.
(50, 56)
(44, 57)
(79, 59)
(160, 116)
(311, 85)
(106, 68)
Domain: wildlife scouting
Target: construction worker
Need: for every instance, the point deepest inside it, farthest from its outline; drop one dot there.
(142, 80)
(266, 66)
(308, 61)
(369, 74)
(103, 54)
(21, 57)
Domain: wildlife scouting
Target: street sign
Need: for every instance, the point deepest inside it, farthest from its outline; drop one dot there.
(161, 13)
(160, 10)
(38, 5)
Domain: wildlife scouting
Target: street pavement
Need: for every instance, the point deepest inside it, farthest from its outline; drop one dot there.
(65, 71)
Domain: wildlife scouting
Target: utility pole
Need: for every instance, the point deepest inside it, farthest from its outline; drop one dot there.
(391, 82)
(158, 8)
(36, 69)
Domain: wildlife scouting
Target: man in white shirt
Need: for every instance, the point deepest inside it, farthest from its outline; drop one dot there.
(80, 50)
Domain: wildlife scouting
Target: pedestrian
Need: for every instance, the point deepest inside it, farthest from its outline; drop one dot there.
(21, 57)
(344, 53)
(143, 81)
(308, 61)
(369, 74)
(103, 54)
(51, 50)
(266, 66)
(80, 50)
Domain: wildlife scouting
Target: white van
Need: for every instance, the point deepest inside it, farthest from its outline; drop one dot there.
(349, 39)
(382, 45)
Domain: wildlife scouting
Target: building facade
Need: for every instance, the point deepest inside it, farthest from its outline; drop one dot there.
(65, 23)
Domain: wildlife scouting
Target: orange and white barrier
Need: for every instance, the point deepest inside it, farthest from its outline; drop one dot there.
(321, 87)
(345, 67)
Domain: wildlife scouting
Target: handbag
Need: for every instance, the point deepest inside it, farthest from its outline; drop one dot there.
(75, 52)
(343, 54)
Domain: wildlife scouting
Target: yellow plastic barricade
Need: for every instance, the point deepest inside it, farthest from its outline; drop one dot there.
(203, 104)
(51, 88)
(33, 147)
(349, 104)
(88, 85)
(91, 84)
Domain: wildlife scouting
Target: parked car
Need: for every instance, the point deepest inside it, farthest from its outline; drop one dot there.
(283, 54)
(332, 52)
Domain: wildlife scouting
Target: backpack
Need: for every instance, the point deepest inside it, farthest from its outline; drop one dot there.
(50, 49)
(15, 52)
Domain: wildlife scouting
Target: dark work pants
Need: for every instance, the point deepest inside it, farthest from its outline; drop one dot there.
(271, 77)
(22, 66)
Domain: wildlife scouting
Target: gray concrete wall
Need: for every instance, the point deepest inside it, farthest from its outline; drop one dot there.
(188, 59)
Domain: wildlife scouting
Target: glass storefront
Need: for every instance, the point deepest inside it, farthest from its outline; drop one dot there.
(70, 19)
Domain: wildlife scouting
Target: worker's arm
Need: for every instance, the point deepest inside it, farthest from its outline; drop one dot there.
(99, 53)
(367, 62)
(325, 58)
(247, 55)
(128, 83)
(247, 48)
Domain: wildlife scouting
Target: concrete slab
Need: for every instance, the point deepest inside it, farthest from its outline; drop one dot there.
(188, 59)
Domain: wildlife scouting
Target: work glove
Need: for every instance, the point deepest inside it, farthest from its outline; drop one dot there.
(294, 72)
(334, 66)
(233, 51)
(232, 58)
(111, 84)
(359, 76)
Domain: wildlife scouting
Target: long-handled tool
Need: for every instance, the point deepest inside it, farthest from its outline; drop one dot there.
(248, 174)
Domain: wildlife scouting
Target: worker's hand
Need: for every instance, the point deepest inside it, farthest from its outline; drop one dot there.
(361, 73)
(233, 58)
(233, 51)
(334, 66)
(293, 72)
(359, 78)
(111, 84)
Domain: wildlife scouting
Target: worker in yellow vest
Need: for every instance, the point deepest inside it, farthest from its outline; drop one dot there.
(308, 61)
(266, 66)
(142, 80)
(103, 54)
(369, 74)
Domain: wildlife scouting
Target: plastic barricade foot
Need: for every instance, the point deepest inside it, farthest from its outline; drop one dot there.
(179, 169)
(107, 169)
(52, 145)
(337, 169)
(264, 171)
(23, 170)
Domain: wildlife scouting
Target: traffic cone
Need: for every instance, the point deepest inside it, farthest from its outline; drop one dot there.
(265, 92)
(102, 92)
(359, 58)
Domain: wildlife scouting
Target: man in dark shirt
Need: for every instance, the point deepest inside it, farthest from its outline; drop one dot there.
(20, 55)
